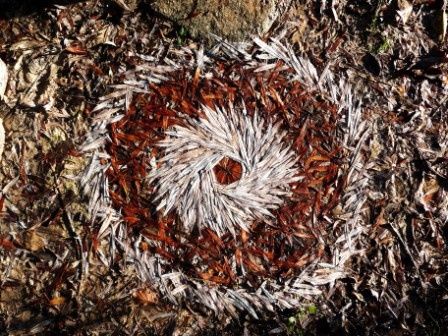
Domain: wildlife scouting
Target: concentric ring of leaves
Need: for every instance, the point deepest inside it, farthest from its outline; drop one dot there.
(301, 226)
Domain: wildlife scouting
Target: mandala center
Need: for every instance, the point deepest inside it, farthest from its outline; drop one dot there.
(227, 141)
(227, 171)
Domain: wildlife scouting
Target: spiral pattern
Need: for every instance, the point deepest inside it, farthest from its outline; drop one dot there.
(185, 181)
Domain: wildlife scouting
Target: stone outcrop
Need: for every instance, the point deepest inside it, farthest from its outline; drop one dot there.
(232, 19)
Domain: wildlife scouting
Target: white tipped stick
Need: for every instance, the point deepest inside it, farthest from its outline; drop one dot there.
(3, 82)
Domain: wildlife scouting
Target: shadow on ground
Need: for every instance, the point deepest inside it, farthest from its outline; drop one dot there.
(15, 8)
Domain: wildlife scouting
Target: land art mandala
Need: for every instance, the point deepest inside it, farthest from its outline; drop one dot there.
(222, 182)
(202, 157)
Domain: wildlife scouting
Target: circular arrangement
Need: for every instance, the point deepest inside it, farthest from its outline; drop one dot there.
(231, 196)
(222, 182)
(187, 182)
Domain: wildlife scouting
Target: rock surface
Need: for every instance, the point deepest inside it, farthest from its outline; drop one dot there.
(232, 19)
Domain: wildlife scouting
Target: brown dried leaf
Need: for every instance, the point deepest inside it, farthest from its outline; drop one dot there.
(146, 296)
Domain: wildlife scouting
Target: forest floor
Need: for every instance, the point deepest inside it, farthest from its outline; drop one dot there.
(62, 58)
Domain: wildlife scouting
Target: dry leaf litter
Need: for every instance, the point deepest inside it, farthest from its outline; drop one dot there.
(92, 97)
